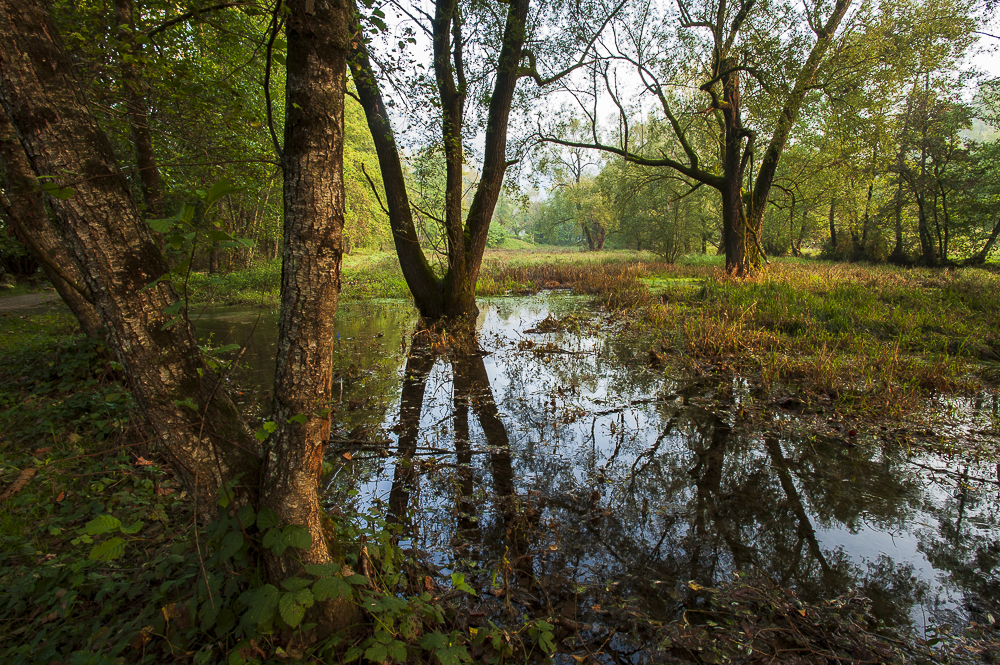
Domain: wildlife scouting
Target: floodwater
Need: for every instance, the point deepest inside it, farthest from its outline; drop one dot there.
(562, 473)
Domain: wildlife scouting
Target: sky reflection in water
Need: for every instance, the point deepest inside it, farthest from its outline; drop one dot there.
(584, 477)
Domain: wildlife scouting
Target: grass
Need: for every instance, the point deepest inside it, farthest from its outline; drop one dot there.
(866, 335)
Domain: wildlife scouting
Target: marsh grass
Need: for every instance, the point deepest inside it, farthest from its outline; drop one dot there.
(871, 336)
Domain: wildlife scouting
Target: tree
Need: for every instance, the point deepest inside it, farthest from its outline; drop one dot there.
(743, 38)
(182, 398)
(453, 293)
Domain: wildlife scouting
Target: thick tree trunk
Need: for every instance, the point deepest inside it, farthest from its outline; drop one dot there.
(741, 256)
(25, 211)
(210, 444)
(137, 107)
(318, 43)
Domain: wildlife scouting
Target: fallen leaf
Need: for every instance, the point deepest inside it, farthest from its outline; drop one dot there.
(62, 495)
(19, 484)
(142, 461)
(347, 455)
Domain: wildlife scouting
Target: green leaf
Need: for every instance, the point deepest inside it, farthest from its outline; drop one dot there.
(300, 419)
(109, 550)
(305, 597)
(247, 516)
(278, 58)
(330, 587)
(295, 583)
(357, 579)
(291, 611)
(135, 527)
(215, 235)
(231, 544)
(102, 524)
(434, 641)
(453, 655)
(397, 651)
(58, 192)
(377, 653)
(323, 569)
(297, 536)
(218, 190)
(263, 604)
(161, 225)
(274, 540)
(267, 517)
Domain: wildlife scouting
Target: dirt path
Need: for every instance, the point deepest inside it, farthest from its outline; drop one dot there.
(30, 302)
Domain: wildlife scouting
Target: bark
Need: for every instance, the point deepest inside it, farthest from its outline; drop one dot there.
(318, 44)
(742, 257)
(137, 108)
(207, 445)
(25, 211)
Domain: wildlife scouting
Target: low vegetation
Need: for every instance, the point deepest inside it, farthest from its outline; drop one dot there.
(103, 561)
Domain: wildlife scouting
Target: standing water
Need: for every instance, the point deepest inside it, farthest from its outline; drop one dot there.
(560, 471)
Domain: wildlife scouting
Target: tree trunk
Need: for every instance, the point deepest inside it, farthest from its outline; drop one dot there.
(137, 108)
(454, 294)
(833, 223)
(980, 257)
(25, 211)
(741, 259)
(787, 116)
(207, 445)
(318, 43)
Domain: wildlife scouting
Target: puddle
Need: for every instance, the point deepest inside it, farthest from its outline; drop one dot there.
(563, 475)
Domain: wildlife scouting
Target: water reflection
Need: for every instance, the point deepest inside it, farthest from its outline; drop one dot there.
(564, 476)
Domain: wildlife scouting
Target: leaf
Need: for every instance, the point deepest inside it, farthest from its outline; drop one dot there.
(58, 192)
(278, 58)
(323, 569)
(434, 641)
(452, 655)
(330, 587)
(267, 518)
(397, 651)
(274, 540)
(231, 544)
(290, 610)
(305, 597)
(102, 524)
(295, 583)
(263, 604)
(357, 579)
(297, 536)
(300, 419)
(218, 190)
(377, 653)
(135, 527)
(161, 225)
(109, 550)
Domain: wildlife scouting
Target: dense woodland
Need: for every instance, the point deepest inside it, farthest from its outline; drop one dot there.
(145, 141)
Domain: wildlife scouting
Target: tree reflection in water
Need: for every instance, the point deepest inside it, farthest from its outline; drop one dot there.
(564, 477)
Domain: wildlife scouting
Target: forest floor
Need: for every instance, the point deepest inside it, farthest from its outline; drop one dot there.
(851, 347)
